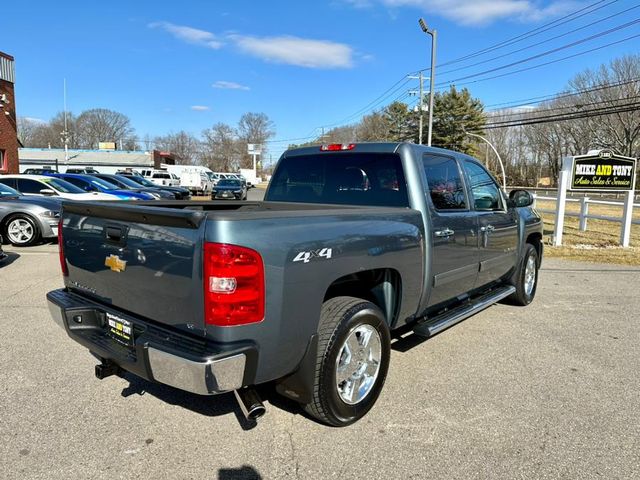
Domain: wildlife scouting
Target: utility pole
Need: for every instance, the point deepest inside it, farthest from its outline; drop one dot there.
(65, 133)
(434, 36)
(420, 92)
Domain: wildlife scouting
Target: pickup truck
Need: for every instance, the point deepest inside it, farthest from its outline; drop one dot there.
(353, 245)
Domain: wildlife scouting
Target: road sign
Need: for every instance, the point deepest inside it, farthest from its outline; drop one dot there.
(254, 149)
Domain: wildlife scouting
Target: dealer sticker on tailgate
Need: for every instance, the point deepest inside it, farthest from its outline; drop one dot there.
(120, 329)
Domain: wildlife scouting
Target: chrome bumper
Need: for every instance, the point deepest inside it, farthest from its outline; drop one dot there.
(216, 374)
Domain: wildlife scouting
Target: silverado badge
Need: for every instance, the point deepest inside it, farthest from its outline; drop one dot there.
(115, 263)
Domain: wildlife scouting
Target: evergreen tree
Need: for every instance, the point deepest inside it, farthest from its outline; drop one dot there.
(401, 122)
(455, 112)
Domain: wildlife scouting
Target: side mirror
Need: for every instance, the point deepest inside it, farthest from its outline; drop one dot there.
(47, 191)
(520, 198)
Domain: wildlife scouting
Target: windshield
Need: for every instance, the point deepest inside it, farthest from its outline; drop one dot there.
(142, 181)
(8, 191)
(62, 185)
(127, 181)
(345, 179)
(227, 182)
(104, 184)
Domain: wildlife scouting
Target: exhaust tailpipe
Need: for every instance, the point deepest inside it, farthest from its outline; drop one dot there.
(250, 403)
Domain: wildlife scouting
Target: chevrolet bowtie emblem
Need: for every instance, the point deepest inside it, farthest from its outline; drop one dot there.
(115, 263)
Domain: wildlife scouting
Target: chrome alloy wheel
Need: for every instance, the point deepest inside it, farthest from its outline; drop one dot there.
(358, 364)
(20, 231)
(530, 275)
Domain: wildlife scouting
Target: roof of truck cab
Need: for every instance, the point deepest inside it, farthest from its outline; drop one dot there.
(366, 147)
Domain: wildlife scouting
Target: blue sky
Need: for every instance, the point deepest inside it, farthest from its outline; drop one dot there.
(186, 65)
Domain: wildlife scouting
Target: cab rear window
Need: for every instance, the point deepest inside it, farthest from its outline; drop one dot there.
(374, 179)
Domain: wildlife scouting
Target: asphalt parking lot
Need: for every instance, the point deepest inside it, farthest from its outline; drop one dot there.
(547, 391)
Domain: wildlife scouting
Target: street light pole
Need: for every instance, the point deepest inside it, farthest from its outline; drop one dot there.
(434, 38)
(504, 177)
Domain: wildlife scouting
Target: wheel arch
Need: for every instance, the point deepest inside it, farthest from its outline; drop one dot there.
(380, 286)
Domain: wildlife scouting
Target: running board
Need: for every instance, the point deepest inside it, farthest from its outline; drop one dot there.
(443, 321)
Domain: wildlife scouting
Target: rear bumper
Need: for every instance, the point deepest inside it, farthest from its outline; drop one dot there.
(160, 354)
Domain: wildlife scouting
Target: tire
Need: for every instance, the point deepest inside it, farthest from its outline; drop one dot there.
(526, 273)
(21, 231)
(349, 327)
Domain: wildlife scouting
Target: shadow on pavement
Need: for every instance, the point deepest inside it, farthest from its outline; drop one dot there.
(245, 472)
(9, 259)
(210, 406)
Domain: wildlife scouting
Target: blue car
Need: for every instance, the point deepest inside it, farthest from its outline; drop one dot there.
(89, 183)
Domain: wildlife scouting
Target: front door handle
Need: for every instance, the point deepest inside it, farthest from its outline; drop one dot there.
(488, 228)
(447, 232)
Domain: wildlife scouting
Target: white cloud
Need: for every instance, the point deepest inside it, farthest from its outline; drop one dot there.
(285, 49)
(189, 34)
(297, 51)
(200, 108)
(229, 85)
(482, 12)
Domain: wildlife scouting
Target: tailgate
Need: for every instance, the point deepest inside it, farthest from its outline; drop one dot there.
(140, 259)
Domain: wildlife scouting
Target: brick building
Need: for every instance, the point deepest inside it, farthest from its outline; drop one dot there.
(8, 126)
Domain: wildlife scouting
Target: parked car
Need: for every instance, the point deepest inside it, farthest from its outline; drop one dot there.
(353, 244)
(2, 254)
(125, 183)
(196, 181)
(90, 183)
(82, 171)
(50, 186)
(27, 220)
(39, 171)
(161, 177)
(229, 189)
(179, 192)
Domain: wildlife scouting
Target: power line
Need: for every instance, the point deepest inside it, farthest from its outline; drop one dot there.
(536, 31)
(548, 52)
(552, 61)
(598, 21)
(553, 96)
(596, 112)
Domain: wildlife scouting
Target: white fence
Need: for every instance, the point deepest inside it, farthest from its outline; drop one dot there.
(584, 214)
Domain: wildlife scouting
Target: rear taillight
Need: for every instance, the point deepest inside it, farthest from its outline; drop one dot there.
(63, 260)
(333, 147)
(234, 292)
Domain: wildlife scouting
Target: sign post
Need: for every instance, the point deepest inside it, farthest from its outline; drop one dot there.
(602, 171)
(254, 150)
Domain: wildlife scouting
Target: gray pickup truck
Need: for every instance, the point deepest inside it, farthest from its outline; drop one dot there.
(354, 245)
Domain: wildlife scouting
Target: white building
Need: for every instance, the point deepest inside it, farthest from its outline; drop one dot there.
(105, 161)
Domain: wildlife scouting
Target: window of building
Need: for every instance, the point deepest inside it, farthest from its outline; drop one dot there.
(3, 165)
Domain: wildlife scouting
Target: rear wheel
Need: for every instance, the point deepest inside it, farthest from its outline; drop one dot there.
(22, 231)
(525, 278)
(352, 361)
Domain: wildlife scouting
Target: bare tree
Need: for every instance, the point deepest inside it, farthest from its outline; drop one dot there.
(183, 145)
(103, 125)
(254, 128)
(220, 148)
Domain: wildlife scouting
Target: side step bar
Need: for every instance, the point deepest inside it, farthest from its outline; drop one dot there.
(443, 321)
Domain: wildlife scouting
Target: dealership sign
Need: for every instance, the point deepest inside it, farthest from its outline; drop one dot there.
(603, 170)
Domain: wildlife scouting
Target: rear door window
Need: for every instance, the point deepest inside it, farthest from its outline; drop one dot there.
(341, 178)
(444, 183)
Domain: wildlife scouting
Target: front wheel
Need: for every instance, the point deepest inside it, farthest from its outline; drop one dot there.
(525, 278)
(22, 231)
(352, 361)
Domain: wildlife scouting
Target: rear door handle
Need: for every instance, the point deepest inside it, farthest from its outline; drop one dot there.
(447, 232)
(488, 228)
